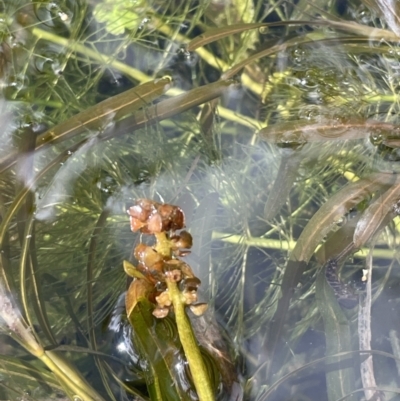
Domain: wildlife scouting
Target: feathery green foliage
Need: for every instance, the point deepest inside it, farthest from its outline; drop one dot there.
(273, 125)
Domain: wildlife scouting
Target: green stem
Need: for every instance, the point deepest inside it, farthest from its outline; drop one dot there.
(70, 378)
(197, 367)
(139, 75)
(285, 245)
(155, 390)
(88, 52)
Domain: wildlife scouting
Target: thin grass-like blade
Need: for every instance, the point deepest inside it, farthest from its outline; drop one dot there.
(214, 34)
(367, 31)
(287, 173)
(98, 116)
(339, 376)
(36, 300)
(169, 107)
(336, 242)
(376, 216)
(24, 376)
(90, 276)
(282, 47)
(207, 118)
(301, 132)
(264, 53)
(336, 207)
(317, 228)
(111, 109)
(365, 335)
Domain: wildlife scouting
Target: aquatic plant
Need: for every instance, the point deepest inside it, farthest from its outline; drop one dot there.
(272, 125)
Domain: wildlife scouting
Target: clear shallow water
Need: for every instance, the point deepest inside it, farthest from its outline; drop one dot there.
(325, 100)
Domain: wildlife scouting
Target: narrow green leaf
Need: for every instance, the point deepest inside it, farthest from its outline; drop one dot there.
(90, 275)
(376, 215)
(132, 270)
(26, 374)
(282, 47)
(158, 342)
(335, 208)
(301, 132)
(264, 53)
(109, 110)
(370, 32)
(340, 375)
(316, 229)
(287, 173)
(169, 107)
(99, 115)
(214, 34)
(337, 241)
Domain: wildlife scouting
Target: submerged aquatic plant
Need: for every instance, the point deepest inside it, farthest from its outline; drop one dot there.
(273, 125)
(162, 282)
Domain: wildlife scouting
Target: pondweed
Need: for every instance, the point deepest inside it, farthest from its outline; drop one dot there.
(273, 125)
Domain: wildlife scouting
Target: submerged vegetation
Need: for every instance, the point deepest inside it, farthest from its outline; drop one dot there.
(273, 125)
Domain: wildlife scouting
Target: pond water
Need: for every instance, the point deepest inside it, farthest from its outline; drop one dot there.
(272, 125)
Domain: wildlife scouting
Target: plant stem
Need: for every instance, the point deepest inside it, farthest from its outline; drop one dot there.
(136, 74)
(284, 245)
(70, 378)
(197, 367)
